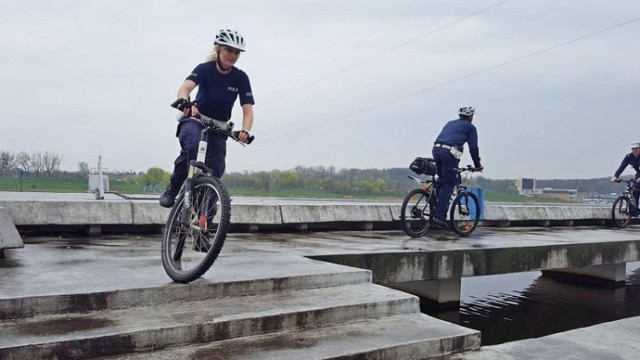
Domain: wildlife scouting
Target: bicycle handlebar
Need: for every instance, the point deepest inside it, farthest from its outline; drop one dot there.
(627, 181)
(467, 168)
(210, 123)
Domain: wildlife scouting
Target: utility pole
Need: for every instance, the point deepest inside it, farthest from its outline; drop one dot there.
(100, 189)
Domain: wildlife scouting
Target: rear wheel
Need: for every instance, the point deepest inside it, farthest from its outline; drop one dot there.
(416, 213)
(189, 249)
(620, 212)
(464, 213)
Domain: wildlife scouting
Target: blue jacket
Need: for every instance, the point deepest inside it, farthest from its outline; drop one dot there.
(457, 133)
(629, 159)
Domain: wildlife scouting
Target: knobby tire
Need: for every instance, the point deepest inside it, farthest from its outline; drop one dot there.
(620, 212)
(417, 212)
(463, 217)
(185, 244)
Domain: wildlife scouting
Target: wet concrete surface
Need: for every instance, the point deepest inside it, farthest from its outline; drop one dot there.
(63, 265)
(74, 265)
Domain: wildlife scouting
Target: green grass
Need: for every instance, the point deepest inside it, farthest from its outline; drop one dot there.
(13, 183)
(304, 193)
(10, 183)
(504, 197)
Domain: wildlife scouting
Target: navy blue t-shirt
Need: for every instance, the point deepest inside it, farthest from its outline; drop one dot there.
(218, 92)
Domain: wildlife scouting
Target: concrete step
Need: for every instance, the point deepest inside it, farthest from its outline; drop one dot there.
(114, 332)
(411, 336)
(28, 306)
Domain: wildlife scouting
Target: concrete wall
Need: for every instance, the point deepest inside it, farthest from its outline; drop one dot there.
(143, 212)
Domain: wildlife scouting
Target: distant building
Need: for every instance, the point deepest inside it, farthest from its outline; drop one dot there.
(600, 198)
(527, 186)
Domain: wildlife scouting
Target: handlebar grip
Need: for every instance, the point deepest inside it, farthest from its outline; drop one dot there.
(249, 139)
(176, 103)
(181, 103)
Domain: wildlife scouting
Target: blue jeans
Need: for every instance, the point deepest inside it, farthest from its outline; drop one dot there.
(189, 137)
(448, 178)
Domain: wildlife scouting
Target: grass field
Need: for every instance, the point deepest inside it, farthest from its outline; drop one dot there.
(10, 183)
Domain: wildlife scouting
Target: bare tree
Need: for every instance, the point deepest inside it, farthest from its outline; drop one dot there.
(51, 162)
(7, 161)
(83, 168)
(23, 161)
(36, 162)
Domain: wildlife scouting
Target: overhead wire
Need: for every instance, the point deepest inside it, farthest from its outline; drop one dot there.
(348, 67)
(382, 53)
(403, 97)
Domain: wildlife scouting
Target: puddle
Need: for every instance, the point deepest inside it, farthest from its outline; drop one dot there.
(62, 326)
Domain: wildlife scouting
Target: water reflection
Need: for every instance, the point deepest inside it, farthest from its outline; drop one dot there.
(527, 305)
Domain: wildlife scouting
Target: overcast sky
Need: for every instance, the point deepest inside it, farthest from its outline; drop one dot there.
(350, 84)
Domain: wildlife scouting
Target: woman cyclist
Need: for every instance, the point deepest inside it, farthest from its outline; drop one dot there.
(632, 159)
(219, 84)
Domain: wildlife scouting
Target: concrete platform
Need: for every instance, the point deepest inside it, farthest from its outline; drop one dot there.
(615, 340)
(109, 296)
(9, 236)
(264, 292)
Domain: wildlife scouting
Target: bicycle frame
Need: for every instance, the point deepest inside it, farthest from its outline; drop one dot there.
(198, 165)
(433, 183)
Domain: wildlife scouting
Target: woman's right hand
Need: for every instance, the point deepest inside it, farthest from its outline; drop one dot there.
(188, 108)
(192, 111)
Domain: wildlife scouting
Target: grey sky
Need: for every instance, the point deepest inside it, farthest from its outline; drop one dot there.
(82, 78)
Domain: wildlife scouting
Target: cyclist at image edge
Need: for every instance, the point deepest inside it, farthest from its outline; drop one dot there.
(633, 159)
(447, 150)
(219, 84)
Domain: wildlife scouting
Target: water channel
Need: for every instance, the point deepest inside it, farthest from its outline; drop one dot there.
(528, 305)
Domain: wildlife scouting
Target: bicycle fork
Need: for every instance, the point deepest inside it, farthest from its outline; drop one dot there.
(185, 215)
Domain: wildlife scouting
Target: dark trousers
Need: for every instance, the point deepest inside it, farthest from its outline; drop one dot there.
(189, 137)
(635, 192)
(448, 178)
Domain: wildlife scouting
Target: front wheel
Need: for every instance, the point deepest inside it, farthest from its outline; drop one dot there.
(620, 212)
(191, 243)
(464, 213)
(416, 213)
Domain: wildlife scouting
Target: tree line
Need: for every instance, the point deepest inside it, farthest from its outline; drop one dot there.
(38, 163)
(378, 182)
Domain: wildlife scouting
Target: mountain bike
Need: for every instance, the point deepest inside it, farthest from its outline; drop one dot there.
(419, 207)
(622, 207)
(197, 225)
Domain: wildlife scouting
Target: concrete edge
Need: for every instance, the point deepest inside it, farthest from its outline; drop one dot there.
(9, 236)
(141, 212)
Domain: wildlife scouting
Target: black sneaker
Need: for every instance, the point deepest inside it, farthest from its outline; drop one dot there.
(440, 224)
(168, 198)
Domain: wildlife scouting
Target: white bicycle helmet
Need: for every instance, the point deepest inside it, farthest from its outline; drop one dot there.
(467, 111)
(230, 38)
(635, 144)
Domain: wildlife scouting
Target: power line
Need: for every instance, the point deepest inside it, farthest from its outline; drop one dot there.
(453, 80)
(148, 149)
(382, 53)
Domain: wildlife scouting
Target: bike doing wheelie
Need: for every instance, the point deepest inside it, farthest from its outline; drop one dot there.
(419, 206)
(199, 219)
(625, 206)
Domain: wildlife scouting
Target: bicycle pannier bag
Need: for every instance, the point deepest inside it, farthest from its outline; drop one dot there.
(423, 166)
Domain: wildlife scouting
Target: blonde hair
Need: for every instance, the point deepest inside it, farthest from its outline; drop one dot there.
(213, 55)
